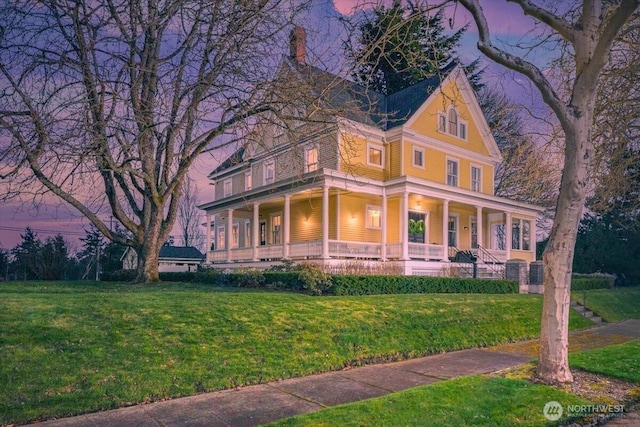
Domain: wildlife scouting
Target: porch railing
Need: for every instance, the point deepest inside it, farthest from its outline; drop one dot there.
(270, 252)
(310, 249)
(419, 250)
(394, 250)
(242, 254)
(342, 249)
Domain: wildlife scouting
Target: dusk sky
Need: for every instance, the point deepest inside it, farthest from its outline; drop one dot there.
(50, 216)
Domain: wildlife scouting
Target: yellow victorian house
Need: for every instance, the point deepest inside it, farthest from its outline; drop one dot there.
(404, 178)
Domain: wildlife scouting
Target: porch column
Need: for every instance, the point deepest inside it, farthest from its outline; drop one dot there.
(479, 225)
(208, 248)
(508, 233)
(404, 226)
(383, 227)
(325, 222)
(255, 238)
(227, 235)
(533, 237)
(445, 229)
(287, 224)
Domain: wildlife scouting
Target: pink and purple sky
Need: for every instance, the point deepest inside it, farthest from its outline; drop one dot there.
(325, 33)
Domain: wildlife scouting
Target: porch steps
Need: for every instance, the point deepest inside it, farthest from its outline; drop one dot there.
(586, 312)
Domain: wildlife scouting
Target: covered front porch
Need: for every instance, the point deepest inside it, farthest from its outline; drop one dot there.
(333, 224)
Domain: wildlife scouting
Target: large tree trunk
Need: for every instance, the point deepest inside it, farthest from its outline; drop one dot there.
(558, 255)
(148, 263)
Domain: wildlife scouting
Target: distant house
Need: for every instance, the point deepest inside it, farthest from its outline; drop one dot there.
(172, 258)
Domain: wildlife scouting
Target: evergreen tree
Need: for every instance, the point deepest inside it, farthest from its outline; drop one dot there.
(4, 264)
(26, 256)
(399, 46)
(93, 246)
(54, 257)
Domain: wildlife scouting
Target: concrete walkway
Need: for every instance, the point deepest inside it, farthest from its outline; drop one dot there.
(255, 405)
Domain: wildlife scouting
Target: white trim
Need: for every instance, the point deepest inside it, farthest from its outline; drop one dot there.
(379, 147)
(471, 167)
(420, 149)
(366, 216)
(446, 148)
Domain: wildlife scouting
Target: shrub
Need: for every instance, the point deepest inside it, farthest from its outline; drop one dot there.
(313, 279)
(585, 282)
(248, 278)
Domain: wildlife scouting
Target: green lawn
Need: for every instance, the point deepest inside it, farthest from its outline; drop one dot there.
(466, 401)
(73, 348)
(478, 400)
(618, 361)
(613, 305)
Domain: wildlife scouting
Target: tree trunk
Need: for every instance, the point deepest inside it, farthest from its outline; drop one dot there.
(553, 363)
(148, 262)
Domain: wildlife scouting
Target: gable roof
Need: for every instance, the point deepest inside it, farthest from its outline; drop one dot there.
(182, 252)
(356, 102)
(233, 160)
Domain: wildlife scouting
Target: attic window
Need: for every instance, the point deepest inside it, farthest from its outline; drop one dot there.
(450, 122)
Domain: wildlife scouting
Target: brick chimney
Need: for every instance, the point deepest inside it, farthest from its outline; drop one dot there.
(298, 44)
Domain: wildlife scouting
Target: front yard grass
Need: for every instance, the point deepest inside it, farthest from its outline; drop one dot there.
(485, 400)
(466, 401)
(613, 305)
(620, 361)
(69, 348)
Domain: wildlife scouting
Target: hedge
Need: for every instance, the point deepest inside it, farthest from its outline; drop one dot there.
(295, 281)
(372, 285)
(585, 284)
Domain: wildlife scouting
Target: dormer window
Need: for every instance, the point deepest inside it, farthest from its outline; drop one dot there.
(227, 187)
(449, 122)
(375, 155)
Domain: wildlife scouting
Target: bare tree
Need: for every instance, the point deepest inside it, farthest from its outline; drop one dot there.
(109, 102)
(589, 29)
(189, 216)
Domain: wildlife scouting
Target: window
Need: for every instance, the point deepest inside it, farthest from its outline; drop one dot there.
(499, 237)
(521, 235)
(452, 172)
(373, 217)
(474, 232)
(276, 228)
(515, 234)
(453, 231)
(269, 172)
(227, 187)
(450, 122)
(476, 178)
(311, 160)
(374, 156)
(442, 122)
(235, 235)
(453, 122)
(248, 181)
(247, 234)
(221, 237)
(418, 157)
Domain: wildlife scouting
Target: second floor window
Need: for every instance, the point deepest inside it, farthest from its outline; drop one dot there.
(452, 172)
(227, 187)
(311, 160)
(476, 178)
(248, 181)
(418, 157)
(374, 156)
(269, 173)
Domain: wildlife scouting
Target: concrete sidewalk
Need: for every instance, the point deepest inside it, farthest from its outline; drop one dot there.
(255, 405)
